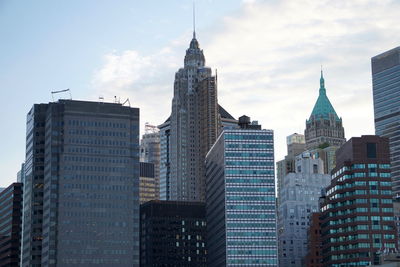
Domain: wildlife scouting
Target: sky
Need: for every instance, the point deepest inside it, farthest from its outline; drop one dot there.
(268, 55)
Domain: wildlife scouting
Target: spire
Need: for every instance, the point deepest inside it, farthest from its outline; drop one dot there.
(322, 83)
(194, 21)
(323, 106)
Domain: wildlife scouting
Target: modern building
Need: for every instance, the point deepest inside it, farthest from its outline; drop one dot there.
(396, 212)
(21, 174)
(81, 191)
(150, 152)
(148, 189)
(324, 127)
(357, 214)
(240, 203)
(191, 130)
(172, 233)
(10, 225)
(299, 198)
(386, 94)
(32, 222)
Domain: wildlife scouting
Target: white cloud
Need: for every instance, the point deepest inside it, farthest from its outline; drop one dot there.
(268, 56)
(268, 59)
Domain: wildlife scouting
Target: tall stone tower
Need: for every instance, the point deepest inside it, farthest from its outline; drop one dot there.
(194, 125)
(324, 127)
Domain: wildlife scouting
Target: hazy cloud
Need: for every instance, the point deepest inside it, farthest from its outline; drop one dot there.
(268, 56)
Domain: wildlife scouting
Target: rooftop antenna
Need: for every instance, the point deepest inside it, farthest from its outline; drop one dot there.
(61, 91)
(194, 20)
(127, 101)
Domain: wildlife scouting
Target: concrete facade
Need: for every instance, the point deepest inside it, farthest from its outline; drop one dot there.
(299, 196)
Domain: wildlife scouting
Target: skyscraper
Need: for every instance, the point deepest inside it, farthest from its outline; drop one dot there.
(299, 195)
(187, 135)
(386, 94)
(357, 214)
(81, 191)
(240, 204)
(324, 127)
(295, 146)
(148, 189)
(173, 233)
(150, 152)
(10, 225)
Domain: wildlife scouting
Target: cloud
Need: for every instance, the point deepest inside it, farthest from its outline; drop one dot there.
(268, 55)
(268, 58)
(147, 80)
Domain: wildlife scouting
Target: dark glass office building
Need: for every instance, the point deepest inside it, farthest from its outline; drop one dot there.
(172, 233)
(81, 195)
(10, 225)
(386, 93)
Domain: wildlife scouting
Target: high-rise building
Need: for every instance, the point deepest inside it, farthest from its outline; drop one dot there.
(327, 155)
(150, 152)
(357, 214)
(81, 191)
(240, 203)
(187, 135)
(296, 144)
(10, 225)
(21, 174)
(299, 197)
(314, 242)
(32, 227)
(386, 94)
(148, 189)
(324, 127)
(172, 233)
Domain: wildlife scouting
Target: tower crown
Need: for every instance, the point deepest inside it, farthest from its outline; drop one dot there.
(323, 107)
(194, 55)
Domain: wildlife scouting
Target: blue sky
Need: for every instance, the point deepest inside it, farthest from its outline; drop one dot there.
(268, 55)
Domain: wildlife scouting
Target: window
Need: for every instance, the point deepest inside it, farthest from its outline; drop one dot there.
(371, 150)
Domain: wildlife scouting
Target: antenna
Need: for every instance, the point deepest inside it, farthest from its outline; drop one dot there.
(127, 101)
(61, 91)
(194, 20)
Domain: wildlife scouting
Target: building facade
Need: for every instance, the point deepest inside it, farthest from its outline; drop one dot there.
(296, 144)
(386, 95)
(187, 135)
(357, 214)
(32, 227)
(324, 127)
(299, 198)
(150, 152)
(10, 225)
(172, 233)
(148, 189)
(81, 191)
(240, 204)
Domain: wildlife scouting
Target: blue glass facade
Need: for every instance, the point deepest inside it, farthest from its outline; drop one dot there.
(241, 210)
(386, 93)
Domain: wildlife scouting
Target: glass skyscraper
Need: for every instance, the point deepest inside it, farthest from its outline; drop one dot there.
(81, 190)
(240, 198)
(386, 93)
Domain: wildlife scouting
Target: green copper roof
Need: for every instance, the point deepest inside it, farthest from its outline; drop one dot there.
(323, 106)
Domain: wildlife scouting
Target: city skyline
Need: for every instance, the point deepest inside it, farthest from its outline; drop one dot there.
(269, 67)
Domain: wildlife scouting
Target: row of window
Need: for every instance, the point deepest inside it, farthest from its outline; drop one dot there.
(97, 124)
(97, 133)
